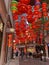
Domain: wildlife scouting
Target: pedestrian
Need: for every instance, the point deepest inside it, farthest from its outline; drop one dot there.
(22, 54)
(41, 55)
(16, 52)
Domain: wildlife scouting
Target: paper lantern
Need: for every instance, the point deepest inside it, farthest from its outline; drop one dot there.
(38, 7)
(44, 4)
(22, 8)
(40, 14)
(29, 7)
(17, 26)
(25, 1)
(29, 12)
(35, 8)
(23, 19)
(36, 12)
(45, 14)
(46, 26)
(44, 9)
(36, 18)
(15, 17)
(29, 18)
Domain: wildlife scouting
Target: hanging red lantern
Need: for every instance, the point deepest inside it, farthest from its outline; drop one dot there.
(29, 7)
(35, 8)
(34, 26)
(36, 18)
(29, 18)
(15, 17)
(29, 12)
(23, 18)
(36, 12)
(23, 8)
(40, 14)
(34, 37)
(44, 9)
(22, 39)
(25, 1)
(44, 4)
(17, 26)
(45, 13)
(47, 26)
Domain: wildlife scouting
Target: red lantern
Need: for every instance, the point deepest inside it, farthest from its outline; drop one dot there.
(35, 18)
(44, 9)
(25, 1)
(40, 14)
(15, 17)
(29, 18)
(23, 18)
(29, 7)
(17, 26)
(17, 23)
(35, 8)
(45, 14)
(29, 12)
(22, 39)
(23, 8)
(34, 37)
(44, 4)
(36, 12)
(47, 26)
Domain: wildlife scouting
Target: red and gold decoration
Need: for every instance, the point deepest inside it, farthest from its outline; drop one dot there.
(28, 19)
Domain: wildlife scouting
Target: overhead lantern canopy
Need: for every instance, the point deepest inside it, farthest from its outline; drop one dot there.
(25, 1)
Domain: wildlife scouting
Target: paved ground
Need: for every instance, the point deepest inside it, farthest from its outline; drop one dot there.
(13, 62)
(30, 61)
(33, 62)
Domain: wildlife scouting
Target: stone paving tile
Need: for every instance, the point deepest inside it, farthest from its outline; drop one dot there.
(30, 61)
(33, 62)
(13, 62)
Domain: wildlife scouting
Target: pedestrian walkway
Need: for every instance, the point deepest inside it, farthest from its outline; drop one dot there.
(13, 62)
(33, 62)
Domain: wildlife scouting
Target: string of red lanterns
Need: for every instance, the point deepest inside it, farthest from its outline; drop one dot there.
(32, 17)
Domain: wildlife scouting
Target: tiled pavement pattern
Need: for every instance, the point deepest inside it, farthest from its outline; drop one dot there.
(13, 62)
(30, 61)
(33, 62)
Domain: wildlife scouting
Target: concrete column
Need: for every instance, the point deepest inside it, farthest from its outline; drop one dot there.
(3, 49)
